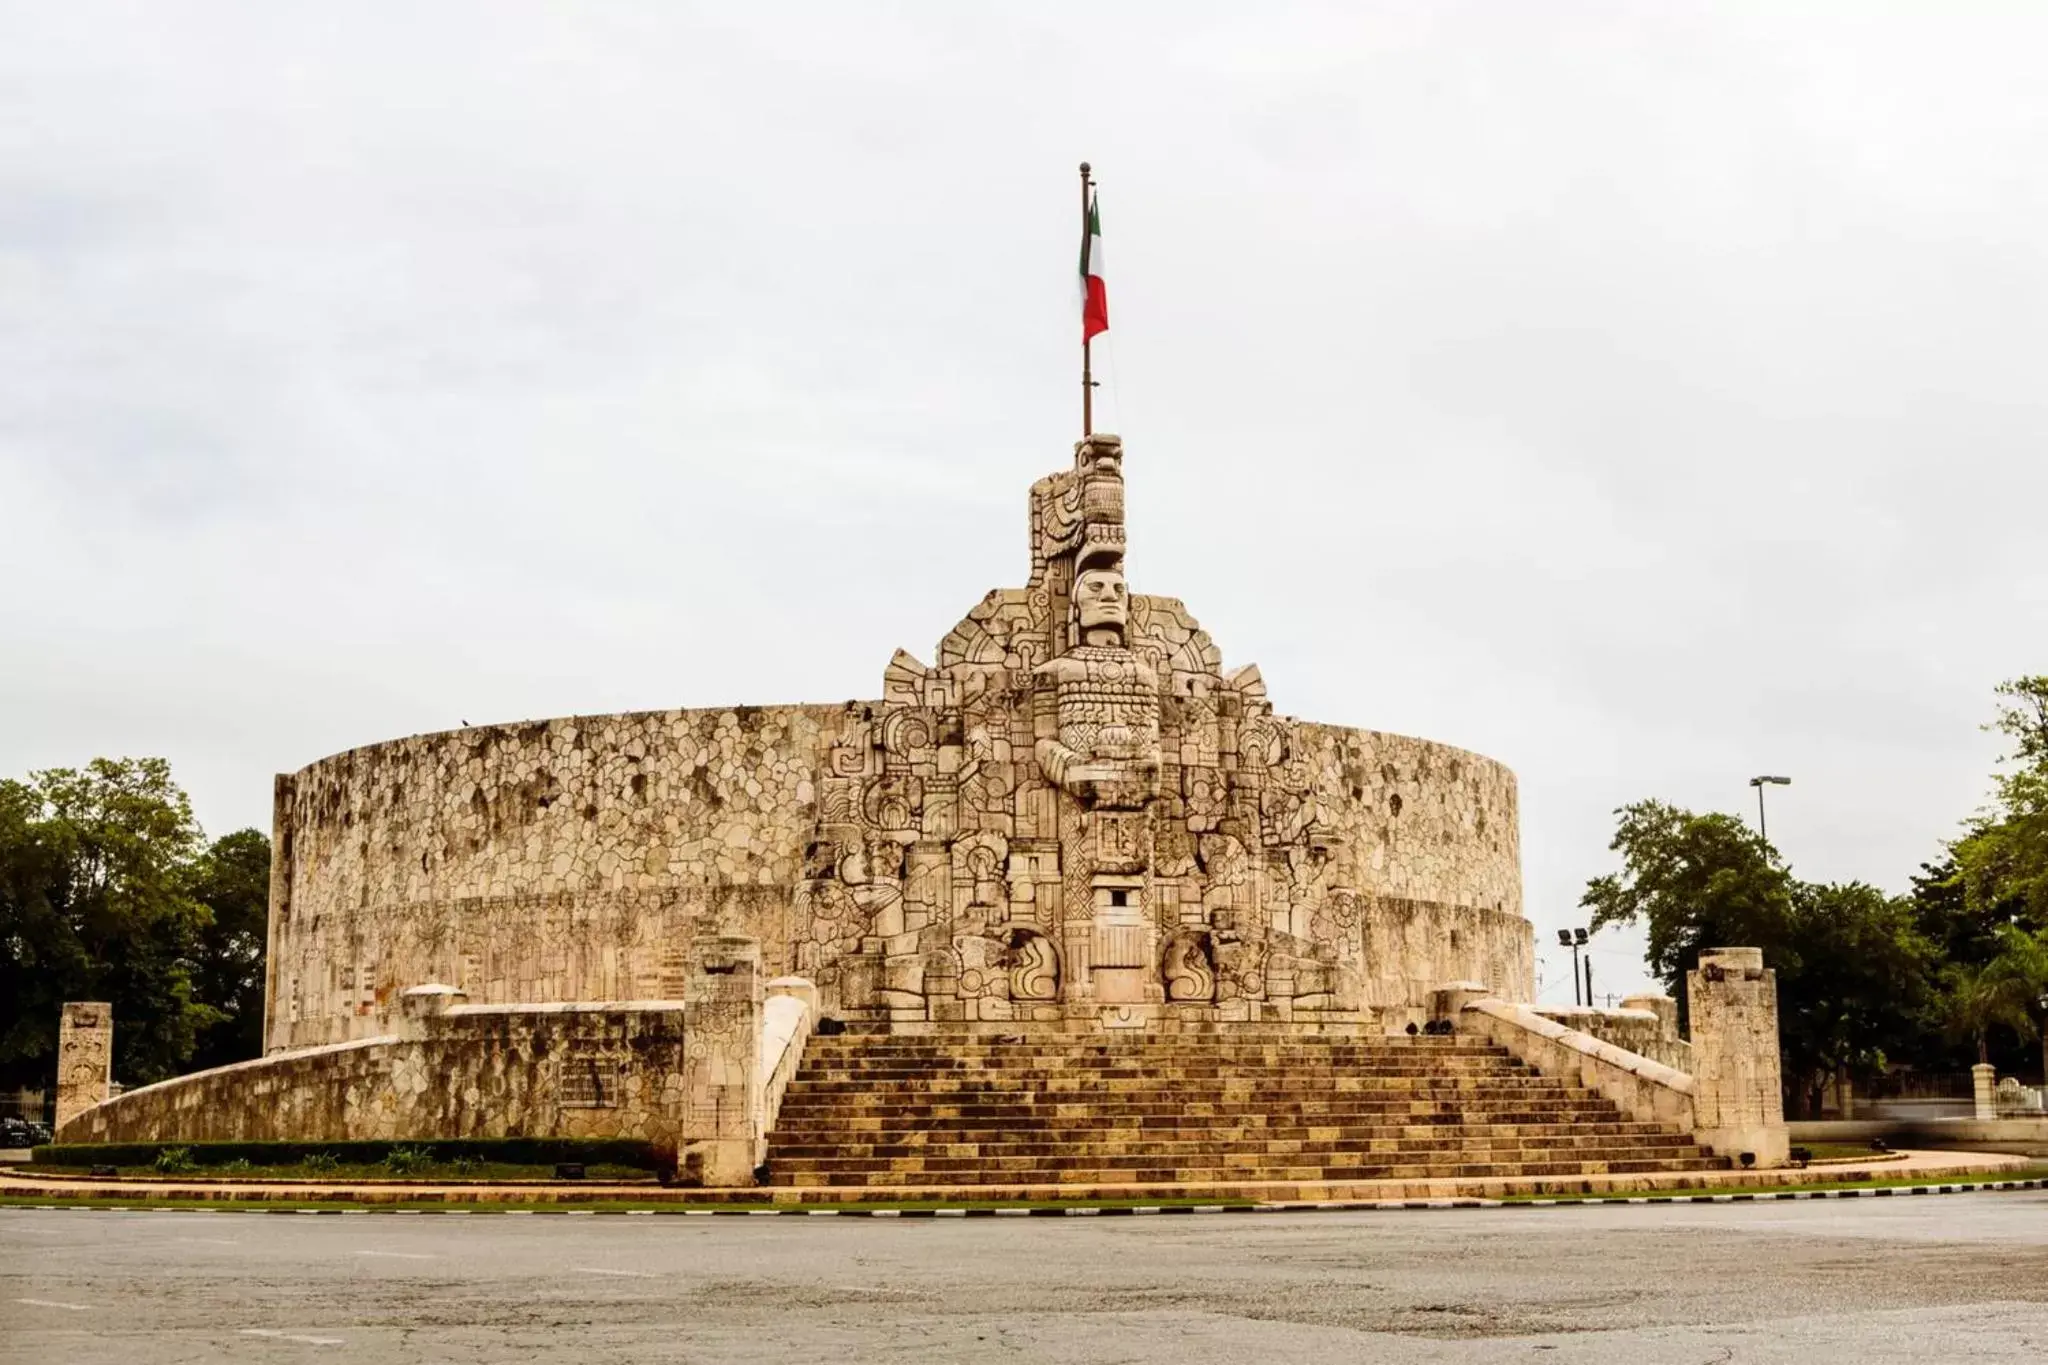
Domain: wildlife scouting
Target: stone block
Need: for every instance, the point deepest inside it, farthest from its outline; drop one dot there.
(85, 1057)
(1739, 1108)
(722, 1078)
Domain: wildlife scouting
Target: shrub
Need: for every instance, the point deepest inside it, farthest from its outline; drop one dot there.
(239, 1166)
(319, 1163)
(465, 1165)
(407, 1160)
(172, 1160)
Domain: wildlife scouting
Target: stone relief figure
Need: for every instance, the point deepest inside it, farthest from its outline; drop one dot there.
(1034, 966)
(1106, 703)
(1189, 974)
(1077, 805)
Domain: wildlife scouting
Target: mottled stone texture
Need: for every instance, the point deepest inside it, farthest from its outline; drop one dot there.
(1075, 809)
(1732, 1001)
(85, 1056)
(1644, 1025)
(467, 1072)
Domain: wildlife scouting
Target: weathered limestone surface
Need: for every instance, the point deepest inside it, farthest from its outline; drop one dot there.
(1075, 815)
(722, 1079)
(467, 1071)
(1641, 1088)
(85, 1056)
(1644, 1025)
(1732, 1001)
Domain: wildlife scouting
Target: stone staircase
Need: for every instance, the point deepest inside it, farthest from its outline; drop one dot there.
(962, 1112)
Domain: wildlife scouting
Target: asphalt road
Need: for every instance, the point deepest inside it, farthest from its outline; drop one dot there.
(1871, 1281)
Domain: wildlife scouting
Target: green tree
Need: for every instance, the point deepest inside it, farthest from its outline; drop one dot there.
(2004, 992)
(1694, 882)
(232, 880)
(2002, 858)
(1852, 965)
(1861, 987)
(95, 904)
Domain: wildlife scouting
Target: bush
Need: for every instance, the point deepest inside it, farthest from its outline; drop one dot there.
(319, 1163)
(465, 1165)
(171, 1160)
(239, 1166)
(407, 1160)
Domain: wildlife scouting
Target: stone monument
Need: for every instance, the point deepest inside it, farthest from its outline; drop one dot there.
(85, 1057)
(1075, 817)
(1732, 1001)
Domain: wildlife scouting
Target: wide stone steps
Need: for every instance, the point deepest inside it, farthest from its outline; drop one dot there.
(897, 1177)
(1302, 1148)
(1281, 1129)
(953, 1111)
(1320, 1113)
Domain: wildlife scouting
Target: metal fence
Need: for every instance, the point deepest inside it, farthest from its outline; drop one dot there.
(1918, 1085)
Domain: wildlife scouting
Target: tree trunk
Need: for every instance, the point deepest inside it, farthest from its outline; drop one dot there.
(1984, 1047)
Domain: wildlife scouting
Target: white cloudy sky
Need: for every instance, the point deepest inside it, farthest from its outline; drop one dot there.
(1645, 394)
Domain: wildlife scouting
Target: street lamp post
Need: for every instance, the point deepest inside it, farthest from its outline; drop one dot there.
(1575, 939)
(1760, 783)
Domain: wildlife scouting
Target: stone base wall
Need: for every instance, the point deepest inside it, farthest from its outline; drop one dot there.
(1645, 1090)
(598, 1071)
(1647, 1033)
(578, 859)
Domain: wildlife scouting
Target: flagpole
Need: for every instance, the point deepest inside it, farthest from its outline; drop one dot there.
(1087, 378)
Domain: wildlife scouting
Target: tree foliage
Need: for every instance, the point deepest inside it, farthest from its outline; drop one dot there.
(1851, 962)
(232, 880)
(1695, 882)
(2002, 859)
(1955, 970)
(108, 891)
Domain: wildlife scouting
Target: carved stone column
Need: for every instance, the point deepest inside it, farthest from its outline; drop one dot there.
(722, 1061)
(85, 1057)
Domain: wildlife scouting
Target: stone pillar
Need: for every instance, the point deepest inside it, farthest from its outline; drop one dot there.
(722, 1061)
(85, 1057)
(1738, 1106)
(1983, 1089)
(418, 1005)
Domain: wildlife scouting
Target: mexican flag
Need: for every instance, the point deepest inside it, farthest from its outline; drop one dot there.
(1094, 296)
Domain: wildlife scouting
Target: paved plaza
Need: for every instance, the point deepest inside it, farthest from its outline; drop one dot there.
(1871, 1281)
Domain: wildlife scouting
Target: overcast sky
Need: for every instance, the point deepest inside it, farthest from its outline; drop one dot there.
(1646, 395)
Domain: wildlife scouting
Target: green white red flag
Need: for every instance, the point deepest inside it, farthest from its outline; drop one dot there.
(1094, 295)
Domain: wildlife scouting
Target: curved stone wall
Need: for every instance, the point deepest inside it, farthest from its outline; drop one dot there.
(576, 859)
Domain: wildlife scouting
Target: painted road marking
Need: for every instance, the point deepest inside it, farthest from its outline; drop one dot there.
(277, 1335)
(600, 1270)
(52, 1303)
(400, 1255)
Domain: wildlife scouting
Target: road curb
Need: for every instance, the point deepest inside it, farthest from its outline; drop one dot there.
(1140, 1210)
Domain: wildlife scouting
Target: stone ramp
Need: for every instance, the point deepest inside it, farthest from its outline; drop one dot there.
(962, 1111)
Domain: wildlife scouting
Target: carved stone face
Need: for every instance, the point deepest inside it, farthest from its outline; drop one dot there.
(1101, 600)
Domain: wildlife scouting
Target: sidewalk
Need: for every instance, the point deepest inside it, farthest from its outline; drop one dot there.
(1908, 1166)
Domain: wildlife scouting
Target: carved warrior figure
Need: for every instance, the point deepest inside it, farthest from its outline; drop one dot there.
(1105, 701)
(1075, 808)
